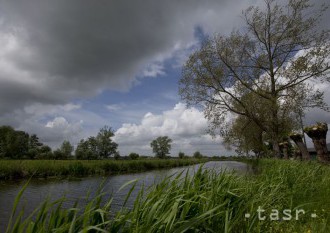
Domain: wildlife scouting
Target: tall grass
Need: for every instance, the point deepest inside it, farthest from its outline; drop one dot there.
(207, 201)
(14, 169)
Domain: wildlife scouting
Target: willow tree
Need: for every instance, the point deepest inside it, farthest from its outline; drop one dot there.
(279, 49)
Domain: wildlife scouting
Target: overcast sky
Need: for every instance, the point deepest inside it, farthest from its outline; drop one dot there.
(67, 68)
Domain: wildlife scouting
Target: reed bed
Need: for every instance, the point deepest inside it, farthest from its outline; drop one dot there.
(15, 169)
(208, 201)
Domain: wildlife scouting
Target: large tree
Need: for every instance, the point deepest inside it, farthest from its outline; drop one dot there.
(98, 147)
(278, 51)
(161, 146)
(87, 149)
(13, 144)
(106, 146)
(65, 151)
(34, 146)
(243, 133)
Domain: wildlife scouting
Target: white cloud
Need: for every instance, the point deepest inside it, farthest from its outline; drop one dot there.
(185, 126)
(60, 129)
(58, 122)
(153, 70)
(113, 107)
(38, 109)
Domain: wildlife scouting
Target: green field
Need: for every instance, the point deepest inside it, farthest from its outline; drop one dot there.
(206, 202)
(15, 169)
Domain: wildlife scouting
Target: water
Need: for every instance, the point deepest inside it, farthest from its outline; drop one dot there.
(38, 189)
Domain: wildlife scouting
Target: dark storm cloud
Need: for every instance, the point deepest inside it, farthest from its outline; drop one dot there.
(57, 50)
(66, 49)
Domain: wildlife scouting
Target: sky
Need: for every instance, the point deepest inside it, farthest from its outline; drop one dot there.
(67, 68)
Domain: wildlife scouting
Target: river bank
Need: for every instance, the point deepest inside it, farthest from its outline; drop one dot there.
(19, 169)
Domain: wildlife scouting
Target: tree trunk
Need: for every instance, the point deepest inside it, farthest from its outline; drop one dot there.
(276, 149)
(297, 155)
(321, 149)
(297, 138)
(323, 142)
(318, 133)
(284, 148)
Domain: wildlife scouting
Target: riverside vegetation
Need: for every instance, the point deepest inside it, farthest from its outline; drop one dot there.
(207, 201)
(14, 169)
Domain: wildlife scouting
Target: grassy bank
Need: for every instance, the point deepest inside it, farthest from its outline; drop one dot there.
(16, 169)
(207, 202)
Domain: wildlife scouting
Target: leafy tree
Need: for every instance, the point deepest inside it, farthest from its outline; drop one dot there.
(198, 155)
(87, 149)
(247, 136)
(181, 155)
(45, 152)
(134, 156)
(161, 146)
(34, 142)
(34, 146)
(106, 146)
(17, 144)
(5, 131)
(279, 50)
(66, 149)
(81, 150)
(58, 154)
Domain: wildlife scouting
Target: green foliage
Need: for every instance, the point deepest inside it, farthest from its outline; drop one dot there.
(87, 149)
(18, 144)
(197, 155)
(34, 147)
(181, 155)
(161, 146)
(45, 152)
(106, 147)
(207, 201)
(64, 152)
(99, 147)
(66, 149)
(134, 156)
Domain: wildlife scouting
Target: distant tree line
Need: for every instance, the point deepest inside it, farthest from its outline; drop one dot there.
(17, 144)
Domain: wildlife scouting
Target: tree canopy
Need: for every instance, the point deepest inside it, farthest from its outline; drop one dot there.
(161, 146)
(98, 147)
(270, 59)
